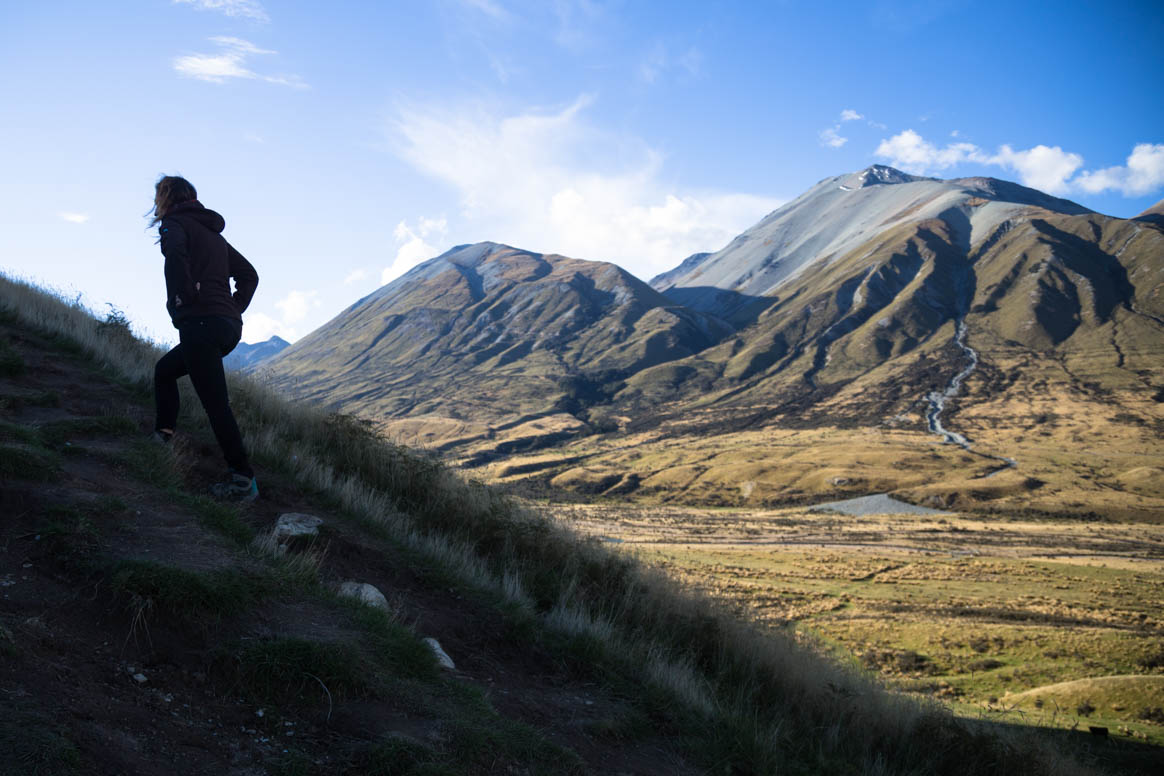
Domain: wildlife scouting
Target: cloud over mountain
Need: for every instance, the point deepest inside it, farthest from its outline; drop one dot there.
(1049, 168)
(551, 179)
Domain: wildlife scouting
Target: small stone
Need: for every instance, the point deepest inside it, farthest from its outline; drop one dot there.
(139, 678)
(441, 656)
(366, 593)
(294, 524)
(259, 713)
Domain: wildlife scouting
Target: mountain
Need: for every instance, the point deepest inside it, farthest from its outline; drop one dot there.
(867, 268)
(830, 221)
(248, 356)
(973, 311)
(487, 332)
(1154, 214)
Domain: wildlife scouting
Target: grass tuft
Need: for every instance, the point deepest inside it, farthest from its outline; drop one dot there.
(184, 596)
(11, 364)
(28, 463)
(296, 671)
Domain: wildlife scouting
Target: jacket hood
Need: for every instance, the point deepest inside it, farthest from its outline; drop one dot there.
(195, 210)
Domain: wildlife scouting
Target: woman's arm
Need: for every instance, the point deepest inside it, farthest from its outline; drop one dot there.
(246, 280)
(180, 290)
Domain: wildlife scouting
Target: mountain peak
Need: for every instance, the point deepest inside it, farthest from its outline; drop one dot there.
(878, 174)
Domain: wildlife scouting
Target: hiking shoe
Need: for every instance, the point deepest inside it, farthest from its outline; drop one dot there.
(163, 437)
(238, 488)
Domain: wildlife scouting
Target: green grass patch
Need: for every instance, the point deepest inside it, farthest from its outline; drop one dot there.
(13, 432)
(32, 745)
(11, 364)
(392, 642)
(184, 596)
(61, 431)
(28, 463)
(218, 516)
(295, 671)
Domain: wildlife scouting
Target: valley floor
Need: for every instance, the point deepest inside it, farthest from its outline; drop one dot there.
(1006, 619)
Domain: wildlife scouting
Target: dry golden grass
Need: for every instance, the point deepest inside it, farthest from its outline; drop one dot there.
(966, 610)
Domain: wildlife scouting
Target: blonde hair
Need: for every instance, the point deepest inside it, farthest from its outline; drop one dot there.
(170, 190)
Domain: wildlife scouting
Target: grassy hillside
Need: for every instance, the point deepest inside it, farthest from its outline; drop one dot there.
(145, 628)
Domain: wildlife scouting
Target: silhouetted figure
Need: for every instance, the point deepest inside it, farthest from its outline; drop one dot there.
(208, 316)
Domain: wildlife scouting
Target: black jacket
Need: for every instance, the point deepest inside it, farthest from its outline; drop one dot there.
(199, 266)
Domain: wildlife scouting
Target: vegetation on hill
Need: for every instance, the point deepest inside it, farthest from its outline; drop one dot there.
(131, 563)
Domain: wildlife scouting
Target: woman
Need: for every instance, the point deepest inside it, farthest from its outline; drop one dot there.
(208, 317)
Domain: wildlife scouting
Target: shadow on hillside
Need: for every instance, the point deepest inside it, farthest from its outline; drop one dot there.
(734, 308)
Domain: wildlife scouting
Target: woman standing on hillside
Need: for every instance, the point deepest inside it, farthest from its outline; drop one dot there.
(208, 317)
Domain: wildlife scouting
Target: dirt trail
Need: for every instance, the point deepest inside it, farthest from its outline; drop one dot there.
(70, 677)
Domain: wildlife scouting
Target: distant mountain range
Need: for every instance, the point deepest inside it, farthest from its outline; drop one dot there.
(248, 356)
(865, 299)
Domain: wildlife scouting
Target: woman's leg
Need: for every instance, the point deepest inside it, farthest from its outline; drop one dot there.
(166, 401)
(203, 341)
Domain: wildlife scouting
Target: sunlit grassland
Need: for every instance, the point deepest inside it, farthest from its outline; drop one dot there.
(989, 616)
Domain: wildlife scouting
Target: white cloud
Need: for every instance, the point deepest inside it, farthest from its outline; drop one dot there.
(1143, 173)
(259, 327)
(355, 276)
(246, 9)
(297, 304)
(1047, 168)
(74, 218)
(1044, 168)
(413, 246)
(913, 153)
(549, 181)
(830, 137)
(293, 309)
(850, 115)
(230, 62)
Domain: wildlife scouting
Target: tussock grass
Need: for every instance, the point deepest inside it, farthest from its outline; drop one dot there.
(11, 364)
(746, 699)
(182, 596)
(27, 463)
(294, 671)
(32, 745)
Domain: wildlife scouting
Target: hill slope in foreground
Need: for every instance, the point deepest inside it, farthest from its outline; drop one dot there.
(145, 629)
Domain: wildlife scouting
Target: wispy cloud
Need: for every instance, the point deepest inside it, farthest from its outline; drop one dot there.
(1048, 168)
(531, 179)
(74, 218)
(659, 59)
(413, 245)
(246, 9)
(355, 276)
(850, 115)
(488, 7)
(831, 137)
(230, 62)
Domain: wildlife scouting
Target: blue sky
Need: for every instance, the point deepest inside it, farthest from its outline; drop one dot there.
(346, 141)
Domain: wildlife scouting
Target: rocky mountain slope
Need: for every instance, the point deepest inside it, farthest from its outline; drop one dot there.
(486, 332)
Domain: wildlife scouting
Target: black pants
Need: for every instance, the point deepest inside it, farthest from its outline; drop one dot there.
(202, 343)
